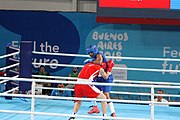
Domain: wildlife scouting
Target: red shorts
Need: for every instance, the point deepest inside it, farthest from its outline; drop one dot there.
(89, 91)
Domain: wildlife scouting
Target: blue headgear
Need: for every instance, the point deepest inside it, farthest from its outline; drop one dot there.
(92, 49)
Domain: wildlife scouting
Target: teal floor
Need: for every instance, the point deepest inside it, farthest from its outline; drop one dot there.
(66, 107)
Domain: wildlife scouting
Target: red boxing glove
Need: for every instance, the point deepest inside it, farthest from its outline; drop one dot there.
(110, 65)
(103, 65)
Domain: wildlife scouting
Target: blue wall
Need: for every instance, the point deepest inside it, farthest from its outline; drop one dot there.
(65, 32)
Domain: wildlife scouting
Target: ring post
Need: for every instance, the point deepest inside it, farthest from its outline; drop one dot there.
(26, 70)
(25, 65)
(152, 103)
(33, 100)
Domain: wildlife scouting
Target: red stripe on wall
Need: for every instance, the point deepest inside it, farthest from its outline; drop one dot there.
(137, 21)
(161, 4)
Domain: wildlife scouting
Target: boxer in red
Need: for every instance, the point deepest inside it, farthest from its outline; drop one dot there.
(87, 74)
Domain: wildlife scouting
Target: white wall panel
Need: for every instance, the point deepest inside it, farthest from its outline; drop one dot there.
(49, 5)
(87, 6)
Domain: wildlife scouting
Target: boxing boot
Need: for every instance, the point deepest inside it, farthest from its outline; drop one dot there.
(94, 110)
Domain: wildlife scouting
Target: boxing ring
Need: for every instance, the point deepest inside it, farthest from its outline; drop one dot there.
(44, 107)
(41, 107)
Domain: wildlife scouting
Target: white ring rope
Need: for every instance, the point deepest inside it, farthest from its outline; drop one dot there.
(10, 66)
(13, 71)
(60, 65)
(70, 115)
(13, 89)
(145, 82)
(73, 98)
(4, 81)
(114, 92)
(12, 59)
(59, 54)
(118, 68)
(95, 83)
(107, 100)
(92, 83)
(8, 55)
(121, 81)
(41, 76)
(11, 47)
(86, 99)
(126, 58)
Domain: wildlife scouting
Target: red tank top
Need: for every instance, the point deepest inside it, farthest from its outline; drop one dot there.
(88, 70)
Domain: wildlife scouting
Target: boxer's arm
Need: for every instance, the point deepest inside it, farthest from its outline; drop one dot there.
(98, 60)
(88, 61)
(104, 74)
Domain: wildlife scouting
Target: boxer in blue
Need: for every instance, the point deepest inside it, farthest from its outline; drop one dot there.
(98, 58)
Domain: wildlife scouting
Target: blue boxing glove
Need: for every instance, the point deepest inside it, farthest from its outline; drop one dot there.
(88, 61)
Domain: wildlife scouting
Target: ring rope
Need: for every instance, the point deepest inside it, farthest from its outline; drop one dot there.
(145, 82)
(115, 57)
(13, 71)
(107, 100)
(69, 115)
(3, 81)
(59, 65)
(93, 83)
(12, 88)
(15, 60)
(113, 92)
(16, 88)
(8, 55)
(51, 88)
(76, 98)
(86, 99)
(118, 68)
(130, 101)
(115, 81)
(126, 81)
(10, 66)
(14, 48)
(90, 99)
(60, 54)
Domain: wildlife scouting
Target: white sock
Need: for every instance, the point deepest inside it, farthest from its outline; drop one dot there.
(94, 103)
(111, 106)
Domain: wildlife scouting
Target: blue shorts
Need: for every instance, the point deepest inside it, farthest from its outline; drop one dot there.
(102, 80)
